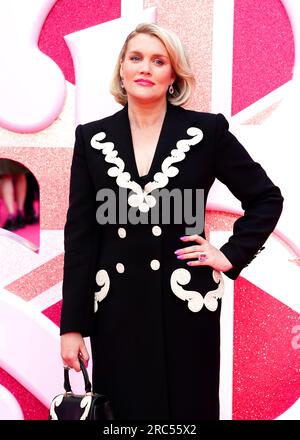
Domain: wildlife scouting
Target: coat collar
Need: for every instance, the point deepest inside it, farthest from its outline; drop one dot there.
(170, 149)
(173, 128)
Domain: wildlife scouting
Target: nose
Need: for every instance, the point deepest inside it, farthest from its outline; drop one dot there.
(145, 67)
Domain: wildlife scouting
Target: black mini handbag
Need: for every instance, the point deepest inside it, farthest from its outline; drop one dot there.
(88, 406)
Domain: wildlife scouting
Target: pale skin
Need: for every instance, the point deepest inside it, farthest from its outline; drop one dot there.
(147, 73)
(214, 257)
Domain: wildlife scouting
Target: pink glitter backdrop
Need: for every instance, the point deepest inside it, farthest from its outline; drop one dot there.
(263, 54)
(265, 381)
(68, 16)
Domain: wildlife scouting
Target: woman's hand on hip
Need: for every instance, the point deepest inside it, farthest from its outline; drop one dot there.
(203, 254)
(73, 347)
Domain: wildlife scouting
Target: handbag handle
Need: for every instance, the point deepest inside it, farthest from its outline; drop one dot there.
(87, 383)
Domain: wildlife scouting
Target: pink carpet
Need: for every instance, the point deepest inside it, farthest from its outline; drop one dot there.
(30, 232)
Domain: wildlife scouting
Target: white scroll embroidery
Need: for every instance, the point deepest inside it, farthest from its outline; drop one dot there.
(86, 404)
(55, 402)
(102, 279)
(194, 298)
(141, 197)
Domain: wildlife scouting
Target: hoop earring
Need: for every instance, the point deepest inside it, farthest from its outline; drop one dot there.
(171, 89)
(122, 83)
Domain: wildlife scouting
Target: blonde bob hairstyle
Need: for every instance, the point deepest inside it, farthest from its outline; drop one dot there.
(185, 80)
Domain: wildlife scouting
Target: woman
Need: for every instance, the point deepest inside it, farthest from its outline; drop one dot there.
(149, 294)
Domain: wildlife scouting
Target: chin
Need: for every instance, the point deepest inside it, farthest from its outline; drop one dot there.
(147, 97)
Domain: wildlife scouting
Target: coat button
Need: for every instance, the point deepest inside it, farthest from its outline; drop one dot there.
(156, 230)
(155, 264)
(120, 267)
(122, 232)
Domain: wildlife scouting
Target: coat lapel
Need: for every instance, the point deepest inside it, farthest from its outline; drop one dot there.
(173, 129)
(171, 148)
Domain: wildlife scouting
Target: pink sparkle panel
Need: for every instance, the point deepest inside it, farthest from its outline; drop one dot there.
(265, 361)
(218, 221)
(32, 408)
(39, 279)
(263, 51)
(69, 16)
(53, 312)
(193, 23)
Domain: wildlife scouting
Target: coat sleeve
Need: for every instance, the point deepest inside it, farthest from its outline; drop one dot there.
(80, 247)
(261, 200)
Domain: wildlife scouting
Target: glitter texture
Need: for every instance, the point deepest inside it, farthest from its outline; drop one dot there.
(262, 116)
(53, 312)
(69, 16)
(218, 221)
(51, 167)
(266, 356)
(193, 24)
(263, 55)
(32, 408)
(266, 379)
(38, 280)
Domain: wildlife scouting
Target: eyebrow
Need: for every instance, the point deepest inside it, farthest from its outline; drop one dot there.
(154, 55)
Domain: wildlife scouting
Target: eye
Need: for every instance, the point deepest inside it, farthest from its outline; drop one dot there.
(134, 58)
(158, 62)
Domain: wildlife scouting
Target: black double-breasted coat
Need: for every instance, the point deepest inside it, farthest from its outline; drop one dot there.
(153, 320)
